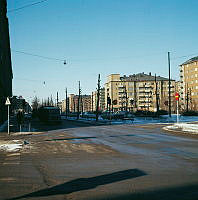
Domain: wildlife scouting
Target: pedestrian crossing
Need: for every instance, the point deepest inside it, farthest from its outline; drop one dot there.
(12, 159)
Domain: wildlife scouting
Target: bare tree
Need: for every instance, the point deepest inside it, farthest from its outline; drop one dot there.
(35, 103)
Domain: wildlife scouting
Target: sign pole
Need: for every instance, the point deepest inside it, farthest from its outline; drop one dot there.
(7, 103)
(177, 99)
(8, 120)
(177, 111)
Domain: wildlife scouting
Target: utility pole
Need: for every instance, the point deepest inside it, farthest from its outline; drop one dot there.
(78, 114)
(74, 108)
(187, 98)
(66, 103)
(135, 95)
(82, 105)
(169, 85)
(57, 99)
(157, 97)
(51, 101)
(98, 98)
(92, 101)
(126, 98)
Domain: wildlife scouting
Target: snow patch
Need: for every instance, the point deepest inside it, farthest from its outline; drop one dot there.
(10, 146)
(193, 128)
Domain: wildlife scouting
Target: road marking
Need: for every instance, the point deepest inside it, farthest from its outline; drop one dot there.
(8, 179)
(13, 154)
(12, 158)
(11, 163)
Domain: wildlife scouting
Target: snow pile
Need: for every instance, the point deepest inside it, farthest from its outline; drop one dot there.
(193, 128)
(10, 146)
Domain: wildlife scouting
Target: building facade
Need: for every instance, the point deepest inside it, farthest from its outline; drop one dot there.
(101, 100)
(5, 61)
(139, 92)
(84, 102)
(189, 84)
(64, 106)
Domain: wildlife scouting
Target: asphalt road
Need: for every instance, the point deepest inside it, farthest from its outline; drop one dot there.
(80, 161)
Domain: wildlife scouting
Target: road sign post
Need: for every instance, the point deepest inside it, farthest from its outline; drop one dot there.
(7, 103)
(177, 99)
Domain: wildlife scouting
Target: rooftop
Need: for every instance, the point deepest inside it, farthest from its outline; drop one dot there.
(142, 77)
(190, 60)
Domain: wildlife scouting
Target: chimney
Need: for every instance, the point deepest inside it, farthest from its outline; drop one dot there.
(149, 73)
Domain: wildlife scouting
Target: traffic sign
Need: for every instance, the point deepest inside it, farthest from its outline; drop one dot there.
(7, 103)
(177, 96)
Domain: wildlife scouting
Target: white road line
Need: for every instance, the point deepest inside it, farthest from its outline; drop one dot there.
(11, 163)
(13, 154)
(8, 179)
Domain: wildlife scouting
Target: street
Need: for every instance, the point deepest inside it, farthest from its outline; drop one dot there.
(81, 161)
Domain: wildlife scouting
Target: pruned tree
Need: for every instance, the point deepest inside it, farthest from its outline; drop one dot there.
(35, 103)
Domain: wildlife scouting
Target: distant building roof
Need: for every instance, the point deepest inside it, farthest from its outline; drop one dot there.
(190, 60)
(143, 77)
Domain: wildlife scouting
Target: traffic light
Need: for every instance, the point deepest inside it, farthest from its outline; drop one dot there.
(109, 100)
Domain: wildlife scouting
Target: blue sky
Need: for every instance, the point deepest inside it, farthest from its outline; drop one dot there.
(97, 36)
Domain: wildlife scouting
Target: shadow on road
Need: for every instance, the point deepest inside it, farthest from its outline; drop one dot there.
(40, 126)
(85, 183)
(185, 192)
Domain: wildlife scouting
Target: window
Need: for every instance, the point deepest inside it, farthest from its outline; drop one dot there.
(130, 84)
(130, 94)
(130, 89)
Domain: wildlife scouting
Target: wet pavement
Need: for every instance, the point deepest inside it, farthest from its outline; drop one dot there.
(81, 161)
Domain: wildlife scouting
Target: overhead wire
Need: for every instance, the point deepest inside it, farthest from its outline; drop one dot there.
(174, 58)
(26, 6)
(36, 55)
(96, 59)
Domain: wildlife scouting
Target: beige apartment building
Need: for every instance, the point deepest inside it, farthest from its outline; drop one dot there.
(101, 101)
(189, 84)
(85, 103)
(139, 92)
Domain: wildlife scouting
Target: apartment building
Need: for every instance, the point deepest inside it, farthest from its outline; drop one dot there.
(189, 84)
(64, 106)
(139, 92)
(85, 103)
(101, 100)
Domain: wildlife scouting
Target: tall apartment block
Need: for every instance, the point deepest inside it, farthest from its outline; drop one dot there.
(189, 84)
(5, 61)
(139, 92)
(101, 100)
